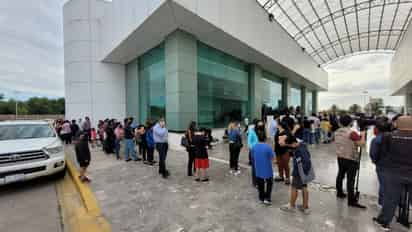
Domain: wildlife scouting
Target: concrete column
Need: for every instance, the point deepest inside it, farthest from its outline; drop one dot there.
(286, 93)
(255, 88)
(132, 90)
(181, 80)
(303, 101)
(408, 103)
(315, 100)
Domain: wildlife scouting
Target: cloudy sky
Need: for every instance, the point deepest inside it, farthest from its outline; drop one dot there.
(31, 59)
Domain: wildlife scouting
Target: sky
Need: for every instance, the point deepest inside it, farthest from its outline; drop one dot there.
(31, 59)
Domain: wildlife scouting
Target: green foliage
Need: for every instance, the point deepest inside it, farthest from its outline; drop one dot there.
(33, 105)
(355, 108)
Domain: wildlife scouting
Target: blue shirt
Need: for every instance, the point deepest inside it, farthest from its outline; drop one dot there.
(160, 134)
(273, 128)
(252, 138)
(234, 136)
(262, 160)
(375, 149)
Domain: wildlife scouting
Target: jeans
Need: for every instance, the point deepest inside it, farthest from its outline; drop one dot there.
(381, 182)
(129, 149)
(234, 150)
(191, 160)
(349, 169)
(306, 136)
(253, 172)
(394, 186)
(143, 151)
(162, 149)
(117, 148)
(317, 135)
(325, 136)
(150, 152)
(265, 188)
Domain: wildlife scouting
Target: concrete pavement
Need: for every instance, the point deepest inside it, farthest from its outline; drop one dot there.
(133, 197)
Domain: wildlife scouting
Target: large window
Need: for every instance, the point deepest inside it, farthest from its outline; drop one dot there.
(309, 103)
(271, 91)
(296, 97)
(223, 87)
(152, 84)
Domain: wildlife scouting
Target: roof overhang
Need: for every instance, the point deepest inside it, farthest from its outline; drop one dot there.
(171, 16)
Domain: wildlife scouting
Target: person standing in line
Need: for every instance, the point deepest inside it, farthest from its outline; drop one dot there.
(119, 133)
(347, 144)
(326, 129)
(74, 128)
(273, 128)
(200, 143)
(282, 154)
(129, 143)
(252, 140)
(382, 126)
(83, 155)
(235, 145)
(86, 126)
(160, 136)
(150, 143)
(262, 161)
(141, 134)
(396, 163)
(190, 148)
(66, 132)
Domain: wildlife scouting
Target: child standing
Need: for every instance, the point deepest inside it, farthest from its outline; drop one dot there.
(83, 155)
(200, 141)
(302, 174)
(262, 154)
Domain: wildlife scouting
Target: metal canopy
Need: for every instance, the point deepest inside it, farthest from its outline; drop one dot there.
(331, 29)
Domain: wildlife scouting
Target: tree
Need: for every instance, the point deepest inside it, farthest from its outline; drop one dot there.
(355, 108)
(1, 96)
(376, 108)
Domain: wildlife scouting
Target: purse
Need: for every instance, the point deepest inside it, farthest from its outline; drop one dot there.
(184, 142)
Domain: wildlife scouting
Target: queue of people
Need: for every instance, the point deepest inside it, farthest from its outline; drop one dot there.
(287, 139)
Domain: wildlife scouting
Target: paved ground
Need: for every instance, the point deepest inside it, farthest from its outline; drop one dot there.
(134, 198)
(30, 207)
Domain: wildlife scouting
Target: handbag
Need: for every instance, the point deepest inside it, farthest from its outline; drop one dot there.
(306, 178)
(184, 142)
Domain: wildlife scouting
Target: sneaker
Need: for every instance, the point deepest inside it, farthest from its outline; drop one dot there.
(138, 159)
(128, 160)
(357, 205)
(288, 208)
(382, 226)
(236, 173)
(303, 210)
(279, 179)
(205, 180)
(287, 182)
(197, 179)
(267, 202)
(341, 195)
(232, 172)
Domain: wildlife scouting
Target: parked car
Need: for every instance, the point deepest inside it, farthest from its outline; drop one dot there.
(29, 149)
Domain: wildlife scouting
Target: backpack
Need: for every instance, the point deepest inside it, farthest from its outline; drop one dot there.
(304, 164)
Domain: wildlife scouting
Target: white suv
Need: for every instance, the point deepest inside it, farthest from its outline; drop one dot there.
(29, 149)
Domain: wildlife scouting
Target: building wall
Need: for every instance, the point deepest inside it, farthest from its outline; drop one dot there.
(401, 68)
(92, 88)
(246, 21)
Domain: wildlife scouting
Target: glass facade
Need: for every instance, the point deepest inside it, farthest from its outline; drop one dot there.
(309, 103)
(295, 97)
(223, 87)
(152, 75)
(271, 90)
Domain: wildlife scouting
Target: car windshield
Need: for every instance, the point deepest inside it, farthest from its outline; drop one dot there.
(32, 131)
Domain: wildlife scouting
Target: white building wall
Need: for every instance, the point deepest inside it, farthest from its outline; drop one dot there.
(121, 18)
(92, 88)
(249, 23)
(401, 68)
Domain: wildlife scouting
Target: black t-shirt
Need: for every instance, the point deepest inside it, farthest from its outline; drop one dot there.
(279, 150)
(200, 143)
(307, 124)
(128, 133)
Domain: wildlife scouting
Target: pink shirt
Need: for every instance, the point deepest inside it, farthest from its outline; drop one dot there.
(119, 132)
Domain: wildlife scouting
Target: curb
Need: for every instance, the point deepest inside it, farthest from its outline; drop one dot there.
(80, 208)
(88, 198)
